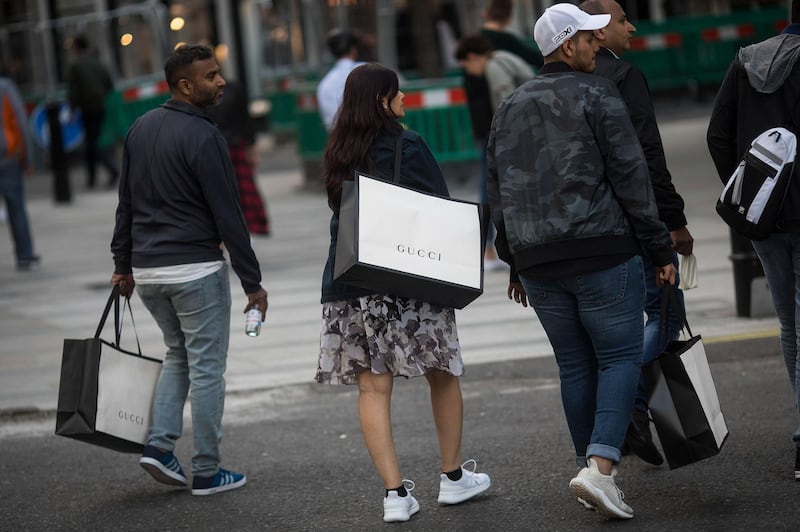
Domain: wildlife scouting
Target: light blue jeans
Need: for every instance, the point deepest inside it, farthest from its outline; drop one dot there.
(11, 188)
(594, 324)
(780, 257)
(653, 342)
(195, 320)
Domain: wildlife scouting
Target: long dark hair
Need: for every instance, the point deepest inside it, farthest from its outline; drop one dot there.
(360, 120)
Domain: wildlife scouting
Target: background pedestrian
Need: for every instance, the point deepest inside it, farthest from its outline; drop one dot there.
(760, 91)
(15, 159)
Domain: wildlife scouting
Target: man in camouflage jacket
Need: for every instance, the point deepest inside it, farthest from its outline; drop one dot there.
(570, 195)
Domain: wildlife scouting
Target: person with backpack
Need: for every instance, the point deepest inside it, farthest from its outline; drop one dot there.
(503, 70)
(500, 72)
(760, 91)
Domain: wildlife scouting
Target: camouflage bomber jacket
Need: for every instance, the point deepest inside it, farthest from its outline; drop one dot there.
(566, 176)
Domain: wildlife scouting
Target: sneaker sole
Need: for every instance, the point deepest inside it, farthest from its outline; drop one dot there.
(456, 497)
(219, 489)
(399, 516)
(597, 498)
(586, 504)
(161, 473)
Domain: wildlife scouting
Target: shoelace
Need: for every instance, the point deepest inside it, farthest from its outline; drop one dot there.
(470, 471)
(409, 485)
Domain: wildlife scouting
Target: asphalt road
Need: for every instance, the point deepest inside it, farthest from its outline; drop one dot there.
(308, 469)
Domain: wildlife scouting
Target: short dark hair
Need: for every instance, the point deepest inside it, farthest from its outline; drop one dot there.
(340, 42)
(472, 44)
(80, 42)
(182, 58)
(499, 10)
(593, 7)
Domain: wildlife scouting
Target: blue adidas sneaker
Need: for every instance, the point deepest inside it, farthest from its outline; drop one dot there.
(163, 466)
(224, 480)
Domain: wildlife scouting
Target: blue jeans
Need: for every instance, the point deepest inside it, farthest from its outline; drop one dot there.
(653, 344)
(11, 189)
(780, 257)
(594, 324)
(195, 320)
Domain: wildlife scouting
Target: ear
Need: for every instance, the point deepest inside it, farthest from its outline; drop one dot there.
(185, 86)
(568, 47)
(600, 34)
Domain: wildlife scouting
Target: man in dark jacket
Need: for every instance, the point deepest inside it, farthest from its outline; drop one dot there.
(761, 91)
(88, 85)
(177, 204)
(615, 40)
(570, 197)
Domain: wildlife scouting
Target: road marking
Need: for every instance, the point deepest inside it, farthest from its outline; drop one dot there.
(768, 333)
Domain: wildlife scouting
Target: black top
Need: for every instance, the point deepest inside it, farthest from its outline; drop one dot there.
(178, 198)
(633, 87)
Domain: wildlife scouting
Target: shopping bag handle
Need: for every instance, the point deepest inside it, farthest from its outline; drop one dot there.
(113, 298)
(398, 155)
(670, 299)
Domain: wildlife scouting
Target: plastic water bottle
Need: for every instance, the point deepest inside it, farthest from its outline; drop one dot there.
(252, 322)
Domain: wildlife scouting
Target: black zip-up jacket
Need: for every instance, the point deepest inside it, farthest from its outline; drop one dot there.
(761, 90)
(178, 198)
(635, 92)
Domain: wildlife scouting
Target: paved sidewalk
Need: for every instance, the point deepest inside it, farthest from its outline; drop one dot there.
(64, 300)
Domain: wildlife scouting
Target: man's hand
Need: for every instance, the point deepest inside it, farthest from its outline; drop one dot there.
(666, 274)
(258, 299)
(125, 283)
(516, 292)
(682, 241)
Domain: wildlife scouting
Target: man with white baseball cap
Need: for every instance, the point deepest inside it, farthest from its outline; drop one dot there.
(561, 22)
(571, 199)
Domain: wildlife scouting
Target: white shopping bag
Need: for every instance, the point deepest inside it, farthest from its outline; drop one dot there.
(125, 387)
(403, 242)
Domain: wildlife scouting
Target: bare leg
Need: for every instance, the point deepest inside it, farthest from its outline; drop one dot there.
(374, 412)
(448, 414)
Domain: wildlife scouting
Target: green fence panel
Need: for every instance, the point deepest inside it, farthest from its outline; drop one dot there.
(282, 111)
(687, 51)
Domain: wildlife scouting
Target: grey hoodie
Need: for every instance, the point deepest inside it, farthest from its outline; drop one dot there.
(770, 62)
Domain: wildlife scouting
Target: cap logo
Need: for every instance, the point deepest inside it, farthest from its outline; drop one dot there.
(565, 34)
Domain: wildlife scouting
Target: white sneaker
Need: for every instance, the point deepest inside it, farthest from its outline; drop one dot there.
(585, 504)
(469, 485)
(397, 508)
(600, 491)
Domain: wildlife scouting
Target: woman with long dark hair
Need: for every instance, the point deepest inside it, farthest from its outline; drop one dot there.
(370, 338)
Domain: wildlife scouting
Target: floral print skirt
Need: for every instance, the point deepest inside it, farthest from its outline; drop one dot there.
(386, 334)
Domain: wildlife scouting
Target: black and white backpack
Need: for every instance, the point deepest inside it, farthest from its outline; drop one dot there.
(753, 197)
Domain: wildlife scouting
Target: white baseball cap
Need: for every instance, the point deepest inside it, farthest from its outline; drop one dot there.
(561, 22)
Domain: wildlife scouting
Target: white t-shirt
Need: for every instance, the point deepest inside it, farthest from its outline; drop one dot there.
(179, 273)
(331, 88)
